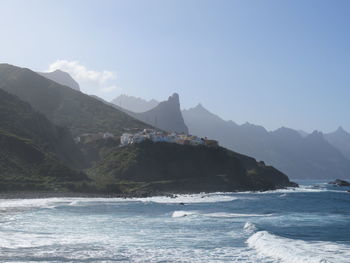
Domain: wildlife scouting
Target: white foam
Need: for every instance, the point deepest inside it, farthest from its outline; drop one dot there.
(301, 189)
(31, 203)
(249, 227)
(295, 251)
(177, 214)
(187, 198)
(6, 204)
(228, 215)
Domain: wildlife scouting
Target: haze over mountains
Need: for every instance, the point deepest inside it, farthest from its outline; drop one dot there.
(134, 104)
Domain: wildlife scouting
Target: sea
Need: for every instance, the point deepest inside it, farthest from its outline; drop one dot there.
(296, 225)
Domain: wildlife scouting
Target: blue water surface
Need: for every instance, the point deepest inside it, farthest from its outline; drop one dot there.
(306, 224)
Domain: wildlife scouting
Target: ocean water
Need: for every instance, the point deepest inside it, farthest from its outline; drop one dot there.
(309, 224)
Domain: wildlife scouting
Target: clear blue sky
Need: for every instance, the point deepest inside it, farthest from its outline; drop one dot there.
(274, 63)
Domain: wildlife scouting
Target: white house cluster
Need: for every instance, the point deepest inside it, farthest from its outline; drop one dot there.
(158, 136)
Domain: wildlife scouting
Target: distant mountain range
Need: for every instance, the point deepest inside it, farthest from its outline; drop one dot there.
(134, 104)
(62, 78)
(307, 156)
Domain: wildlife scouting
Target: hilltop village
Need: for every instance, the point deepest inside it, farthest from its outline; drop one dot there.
(137, 136)
(159, 136)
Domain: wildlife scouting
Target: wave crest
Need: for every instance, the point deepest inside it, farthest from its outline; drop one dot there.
(296, 251)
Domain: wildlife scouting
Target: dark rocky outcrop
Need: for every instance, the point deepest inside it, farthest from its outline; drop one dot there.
(339, 182)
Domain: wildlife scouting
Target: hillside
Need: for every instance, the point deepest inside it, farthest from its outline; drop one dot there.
(165, 167)
(63, 106)
(34, 154)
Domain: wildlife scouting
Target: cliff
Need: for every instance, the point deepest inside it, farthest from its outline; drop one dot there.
(156, 168)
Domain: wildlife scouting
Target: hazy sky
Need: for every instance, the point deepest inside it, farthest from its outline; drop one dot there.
(274, 63)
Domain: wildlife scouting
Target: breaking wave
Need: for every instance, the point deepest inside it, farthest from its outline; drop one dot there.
(288, 250)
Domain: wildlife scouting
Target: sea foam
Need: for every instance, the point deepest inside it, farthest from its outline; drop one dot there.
(295, 251)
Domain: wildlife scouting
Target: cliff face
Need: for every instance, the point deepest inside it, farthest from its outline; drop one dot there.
(164, 167)
(166, 116)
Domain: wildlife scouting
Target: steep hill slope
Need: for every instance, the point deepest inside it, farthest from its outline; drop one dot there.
(33, 151)
(64, 106)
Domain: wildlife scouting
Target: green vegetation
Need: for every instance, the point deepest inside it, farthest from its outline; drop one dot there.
(25, 166)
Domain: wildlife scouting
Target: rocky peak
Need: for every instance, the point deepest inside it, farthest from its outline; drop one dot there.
(174, 99)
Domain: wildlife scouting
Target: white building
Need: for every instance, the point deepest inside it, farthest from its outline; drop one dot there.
(125, 139)
(107, 135)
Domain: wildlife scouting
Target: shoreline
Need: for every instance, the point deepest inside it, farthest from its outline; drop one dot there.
(41, 195)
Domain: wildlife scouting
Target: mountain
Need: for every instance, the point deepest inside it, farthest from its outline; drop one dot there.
(64, 106)
(134, 104)
(34, 153)
(62, 78)
(160, 168)
(340, 139)
(166, 116)
(309, 157)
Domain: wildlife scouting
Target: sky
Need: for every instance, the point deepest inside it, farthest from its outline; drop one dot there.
(273, 62)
